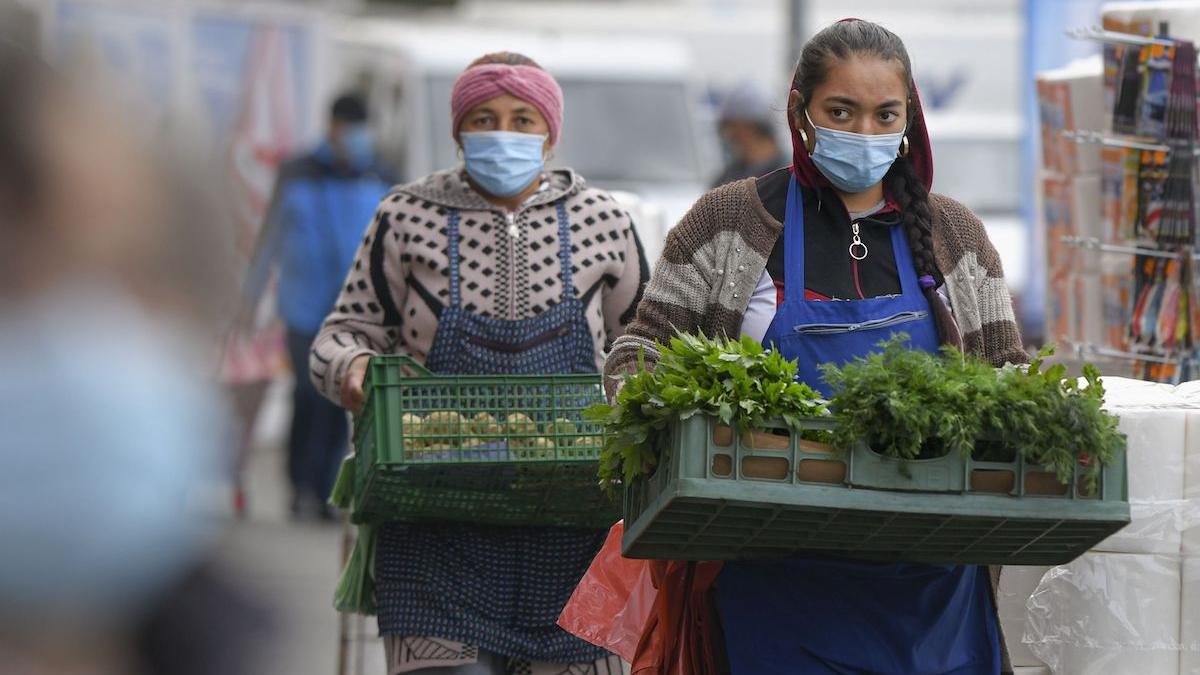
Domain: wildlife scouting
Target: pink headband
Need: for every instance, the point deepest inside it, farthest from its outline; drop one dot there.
(480, 83)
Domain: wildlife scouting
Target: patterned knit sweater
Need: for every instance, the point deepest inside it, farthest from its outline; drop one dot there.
(509, 266)
(715, 257)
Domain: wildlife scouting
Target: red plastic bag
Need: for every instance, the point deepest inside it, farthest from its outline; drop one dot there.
(612, 602)
(655, 614)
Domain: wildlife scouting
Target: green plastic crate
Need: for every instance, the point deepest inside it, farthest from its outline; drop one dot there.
(507, 450)
(705, 503)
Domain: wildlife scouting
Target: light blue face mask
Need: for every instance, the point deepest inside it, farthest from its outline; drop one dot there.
(853, 162)
(503, 162)
(358, 146)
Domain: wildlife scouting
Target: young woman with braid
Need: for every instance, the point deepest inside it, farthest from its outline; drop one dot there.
(848, 239)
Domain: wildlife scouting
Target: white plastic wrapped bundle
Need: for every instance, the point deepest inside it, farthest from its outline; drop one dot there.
(1189, 627)
(1155, 420)
(1017, 583)
(1189, 393)
(1191, 487)
(1108, 613)
(1123, 392)
(1155, 451)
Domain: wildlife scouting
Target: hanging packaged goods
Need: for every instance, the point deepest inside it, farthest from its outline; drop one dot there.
(1128, 290)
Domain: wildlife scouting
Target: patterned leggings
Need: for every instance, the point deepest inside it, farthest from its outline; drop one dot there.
(403, 659)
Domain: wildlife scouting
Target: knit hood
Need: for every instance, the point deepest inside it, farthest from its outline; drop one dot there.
(919, 150)
(450, 189)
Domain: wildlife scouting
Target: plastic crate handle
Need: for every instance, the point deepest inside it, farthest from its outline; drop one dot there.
(408, 365)
(411, 364)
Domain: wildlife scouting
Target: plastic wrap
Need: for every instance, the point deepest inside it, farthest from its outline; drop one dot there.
(1017, 583)
(1108, 613)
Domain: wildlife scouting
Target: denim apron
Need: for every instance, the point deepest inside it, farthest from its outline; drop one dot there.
(822, 615)
(497, 588)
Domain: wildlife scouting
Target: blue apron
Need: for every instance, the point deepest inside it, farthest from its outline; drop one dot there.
(496, 588)
(821, 615)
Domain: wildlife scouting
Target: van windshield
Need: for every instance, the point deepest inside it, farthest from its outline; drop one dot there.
(613, 132)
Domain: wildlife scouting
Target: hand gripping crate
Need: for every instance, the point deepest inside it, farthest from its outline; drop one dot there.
(721, 496)
(505, 450)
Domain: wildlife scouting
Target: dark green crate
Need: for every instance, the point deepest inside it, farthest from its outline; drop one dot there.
(423, 455)
(701, 505)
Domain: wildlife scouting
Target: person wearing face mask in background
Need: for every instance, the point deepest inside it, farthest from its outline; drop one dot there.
(499, 266)
(747, 130)
(313, 226)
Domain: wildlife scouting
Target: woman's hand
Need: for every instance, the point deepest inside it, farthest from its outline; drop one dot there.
(352, 393)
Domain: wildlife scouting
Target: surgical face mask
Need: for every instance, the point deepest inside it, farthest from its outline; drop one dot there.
(358, 147)
(503, 162)
(853, 162)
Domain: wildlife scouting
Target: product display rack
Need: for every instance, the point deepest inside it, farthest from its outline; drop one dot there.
(1179, 360)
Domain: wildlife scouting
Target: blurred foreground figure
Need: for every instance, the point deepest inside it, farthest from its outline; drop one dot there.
(108, 421)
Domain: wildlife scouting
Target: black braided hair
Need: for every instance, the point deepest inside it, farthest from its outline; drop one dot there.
(910, 193)
(838, 42)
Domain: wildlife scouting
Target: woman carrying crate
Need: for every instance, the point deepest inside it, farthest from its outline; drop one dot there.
(500, 266)
(848, 236)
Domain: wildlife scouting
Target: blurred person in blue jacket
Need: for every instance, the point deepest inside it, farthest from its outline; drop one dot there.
(747, 127)
(112, 430)
(322, 204)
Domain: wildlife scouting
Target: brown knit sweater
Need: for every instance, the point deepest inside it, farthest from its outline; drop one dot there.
(715, 256)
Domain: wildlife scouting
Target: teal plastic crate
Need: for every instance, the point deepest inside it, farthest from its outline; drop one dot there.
(505, 450)
(719, 497)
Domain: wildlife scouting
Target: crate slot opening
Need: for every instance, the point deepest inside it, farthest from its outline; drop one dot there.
(775, 439)
(821, 471)
(722, 465)
(996, 481)
(1044, 483)
(768, 468)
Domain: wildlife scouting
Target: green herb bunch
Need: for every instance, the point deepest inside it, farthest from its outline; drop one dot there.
(737, 381)
(1054, 420)
(915, 405)
(909, 404)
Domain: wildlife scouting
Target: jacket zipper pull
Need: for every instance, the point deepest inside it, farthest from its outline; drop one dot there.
(513, 230)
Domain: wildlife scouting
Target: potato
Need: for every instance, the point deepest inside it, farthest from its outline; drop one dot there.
(443, 426)
(412, 427)
(520, 428)
(588, 446)
(484, 424)
(543, 448)
(561, 428)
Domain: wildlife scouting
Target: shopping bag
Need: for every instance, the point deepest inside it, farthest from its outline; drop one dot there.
(612, 602)
(655, 614)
